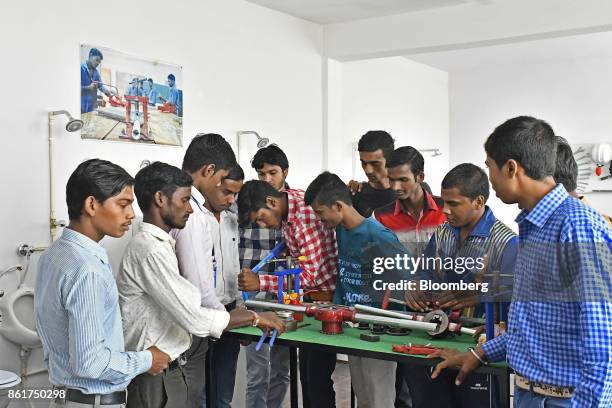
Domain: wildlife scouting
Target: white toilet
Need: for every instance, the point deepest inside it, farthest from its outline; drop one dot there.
(8, 381)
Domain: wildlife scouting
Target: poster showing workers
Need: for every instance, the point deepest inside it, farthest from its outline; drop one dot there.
(125, 98)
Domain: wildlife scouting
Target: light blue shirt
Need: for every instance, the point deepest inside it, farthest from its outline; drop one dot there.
(152, 97)
(78, 318)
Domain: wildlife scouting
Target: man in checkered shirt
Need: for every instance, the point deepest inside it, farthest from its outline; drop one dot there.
(268, 367)
(304, 235)
(559, 338)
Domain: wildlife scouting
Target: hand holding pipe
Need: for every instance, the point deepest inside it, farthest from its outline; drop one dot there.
(271, 255)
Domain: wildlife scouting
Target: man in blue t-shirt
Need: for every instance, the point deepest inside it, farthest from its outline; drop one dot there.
(91, 81)
(362, 243)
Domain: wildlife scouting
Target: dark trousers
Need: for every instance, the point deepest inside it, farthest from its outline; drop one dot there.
(166, 390)
(477, 390)
(402, 393)
(222, 358)
(316, 369)
(195, 370)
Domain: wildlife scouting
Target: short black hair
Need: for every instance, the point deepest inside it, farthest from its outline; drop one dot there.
(94, 52)
(470, 179)
(208, 148)
(252, 197)
(566, 169)
(235, 173)
(156, 177)
(273, 155)
(150, 80)
(529, 141)
(407, 155)
(172, 77)
(98, 178)
(374, 140)
(326, 189)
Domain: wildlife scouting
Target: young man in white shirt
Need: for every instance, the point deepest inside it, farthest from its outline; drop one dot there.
(207, 251)
(158, 305)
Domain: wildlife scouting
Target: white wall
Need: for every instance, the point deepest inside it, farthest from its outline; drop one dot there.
(572, 95)
(403, 97)
(245, 67)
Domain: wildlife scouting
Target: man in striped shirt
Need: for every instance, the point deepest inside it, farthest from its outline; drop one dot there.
(472, 235)
(558, 341)
(77, 308)
(304, 235)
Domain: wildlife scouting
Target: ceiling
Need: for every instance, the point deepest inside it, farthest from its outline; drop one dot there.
(335, 11)
(540, 51)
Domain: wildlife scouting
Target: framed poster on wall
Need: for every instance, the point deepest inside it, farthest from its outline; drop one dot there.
(125, 98)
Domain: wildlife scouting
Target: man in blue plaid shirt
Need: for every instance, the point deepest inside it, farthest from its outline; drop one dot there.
(559, 338)
(268, 368)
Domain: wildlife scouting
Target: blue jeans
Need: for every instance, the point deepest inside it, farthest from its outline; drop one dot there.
(267, 376)
(527, 399)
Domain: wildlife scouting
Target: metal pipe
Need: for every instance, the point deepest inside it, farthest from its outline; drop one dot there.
(388, 313)
(52, 219)
(275, 306)
(403, 323)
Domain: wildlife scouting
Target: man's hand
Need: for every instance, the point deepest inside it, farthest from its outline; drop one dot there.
(453, 358)
(355, 186)
(248, 281)
(160, 361)
(457, 299)
(269, 320)
(418, 300)
(92, 87)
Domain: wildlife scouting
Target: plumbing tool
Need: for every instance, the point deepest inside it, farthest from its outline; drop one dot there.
(274, 253)
(415, 349)
(437, 316)
(435, 323)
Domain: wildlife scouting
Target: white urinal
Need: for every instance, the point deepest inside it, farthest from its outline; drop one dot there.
(16, 311)
(8, 381)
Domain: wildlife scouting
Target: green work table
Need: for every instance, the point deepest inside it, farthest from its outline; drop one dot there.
(308, 335)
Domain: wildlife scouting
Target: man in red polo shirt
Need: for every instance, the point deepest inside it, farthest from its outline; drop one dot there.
(415, 213)
(413, 216)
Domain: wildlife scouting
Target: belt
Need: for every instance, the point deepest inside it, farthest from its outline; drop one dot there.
(177, 363)
(115, 398)
(545, 390)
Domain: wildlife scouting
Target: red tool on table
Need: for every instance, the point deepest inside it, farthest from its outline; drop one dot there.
(415, 349)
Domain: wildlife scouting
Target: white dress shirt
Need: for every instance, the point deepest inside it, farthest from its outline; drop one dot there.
(158, 306)
(207, 252)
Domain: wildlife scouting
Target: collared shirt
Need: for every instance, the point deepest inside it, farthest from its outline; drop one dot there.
(158, 306)
(207, 252)
(490, 240)
(413, 233)
(305, 235)
(561, 342)
(78, 318)
(88, 97)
